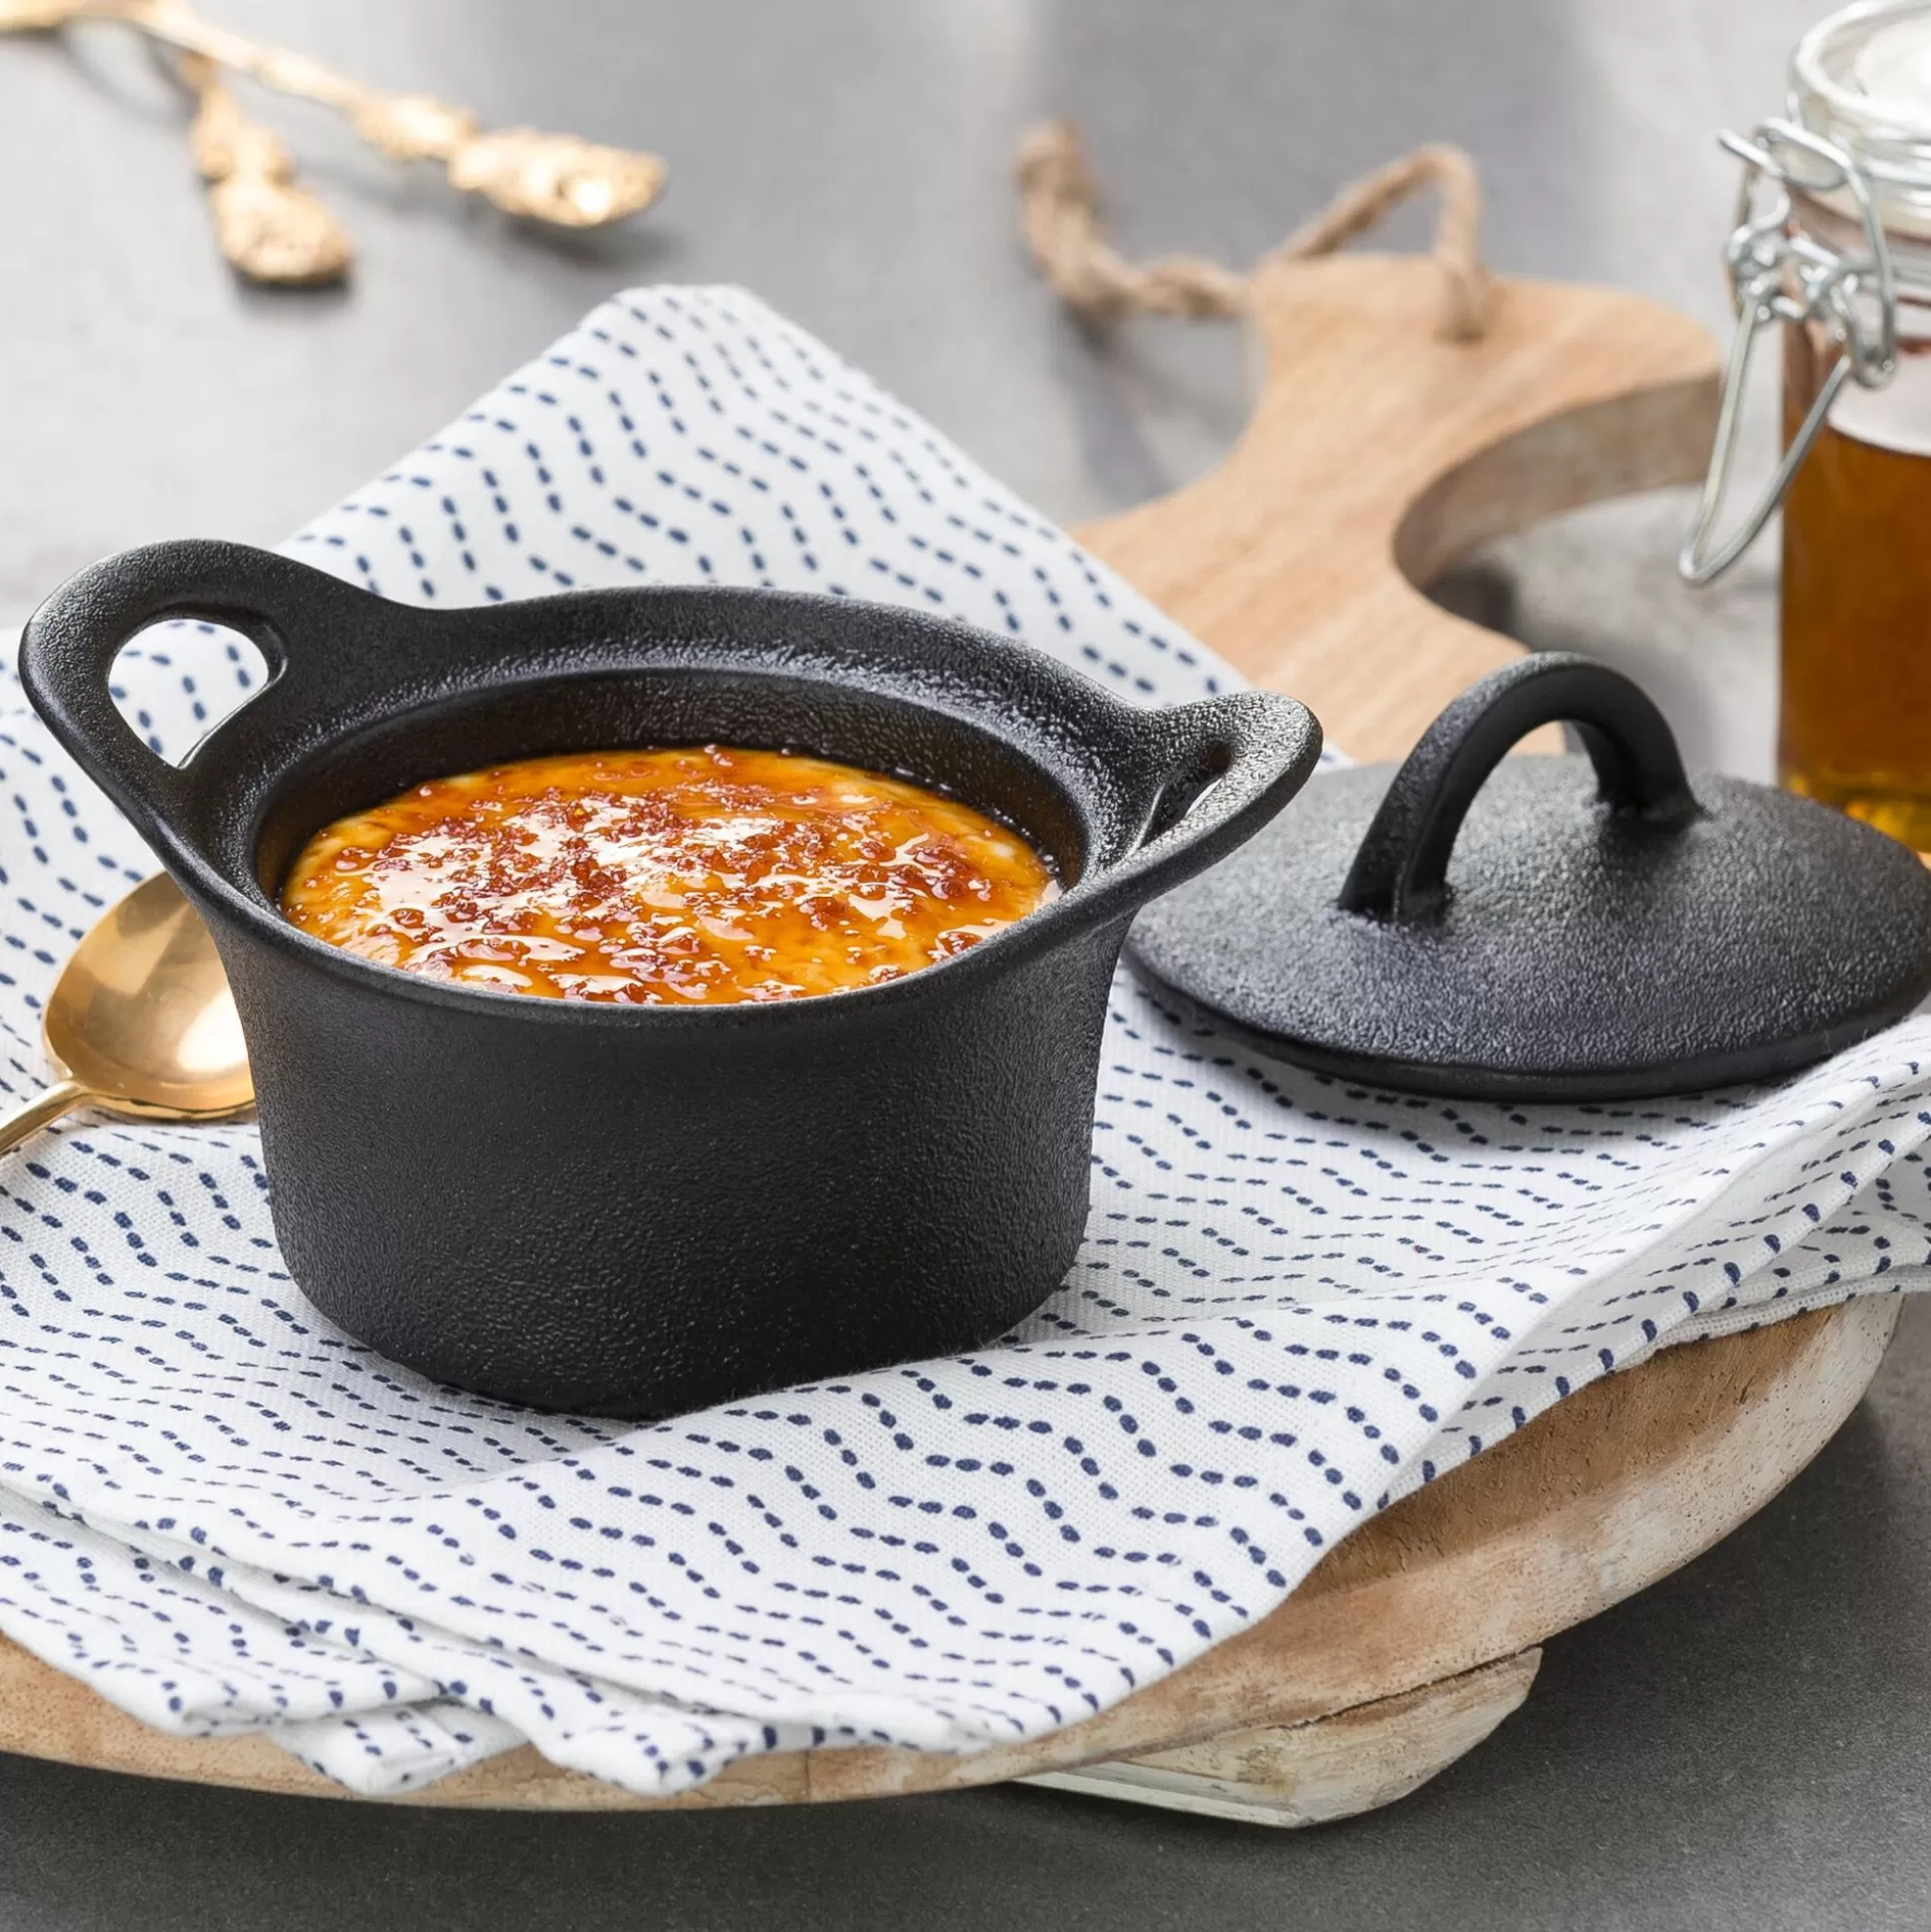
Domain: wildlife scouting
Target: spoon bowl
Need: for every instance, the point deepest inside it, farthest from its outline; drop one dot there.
(141, 1023)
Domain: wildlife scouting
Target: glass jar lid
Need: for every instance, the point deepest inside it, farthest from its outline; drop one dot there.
(1860, 81)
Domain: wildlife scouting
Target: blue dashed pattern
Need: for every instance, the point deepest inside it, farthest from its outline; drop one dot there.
(1297, 1299)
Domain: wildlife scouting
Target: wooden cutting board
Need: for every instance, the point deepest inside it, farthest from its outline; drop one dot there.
(1378, 455)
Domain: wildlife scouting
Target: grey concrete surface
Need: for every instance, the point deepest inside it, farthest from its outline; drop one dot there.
(1749, 1744)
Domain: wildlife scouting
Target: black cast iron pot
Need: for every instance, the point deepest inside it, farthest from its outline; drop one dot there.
(643, 1210)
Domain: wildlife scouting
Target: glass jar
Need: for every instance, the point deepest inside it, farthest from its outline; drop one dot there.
(1832, 246)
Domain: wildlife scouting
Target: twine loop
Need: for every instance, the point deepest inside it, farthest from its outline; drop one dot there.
(1059, 212)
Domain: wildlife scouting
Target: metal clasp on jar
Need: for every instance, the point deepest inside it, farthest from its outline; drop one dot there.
(1781, 274)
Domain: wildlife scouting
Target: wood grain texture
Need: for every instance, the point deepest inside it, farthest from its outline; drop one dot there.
(1290, 1774)
(1378, 455)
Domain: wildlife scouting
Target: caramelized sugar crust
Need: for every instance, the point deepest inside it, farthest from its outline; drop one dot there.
(697, 876)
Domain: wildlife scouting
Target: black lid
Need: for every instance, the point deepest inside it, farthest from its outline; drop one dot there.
(1603, 933)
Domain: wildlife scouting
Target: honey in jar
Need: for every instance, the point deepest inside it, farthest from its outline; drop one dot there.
(1854, 713)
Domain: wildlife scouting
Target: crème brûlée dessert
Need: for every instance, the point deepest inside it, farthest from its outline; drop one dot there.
(683, 876)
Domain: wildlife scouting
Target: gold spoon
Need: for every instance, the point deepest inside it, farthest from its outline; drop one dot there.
(141, 1023)
(270, 228)
(558, 179)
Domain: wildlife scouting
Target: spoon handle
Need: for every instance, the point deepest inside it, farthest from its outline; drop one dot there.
(35, 1114)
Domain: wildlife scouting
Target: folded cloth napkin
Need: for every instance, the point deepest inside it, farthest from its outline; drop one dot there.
(1297, 1299)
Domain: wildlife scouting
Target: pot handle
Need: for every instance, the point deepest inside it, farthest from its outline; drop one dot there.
(1401, 872)
(69, 647)
(1219, 770)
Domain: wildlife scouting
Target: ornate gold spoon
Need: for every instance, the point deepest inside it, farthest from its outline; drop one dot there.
(141, 1021)
(268, 228)
(558, 178)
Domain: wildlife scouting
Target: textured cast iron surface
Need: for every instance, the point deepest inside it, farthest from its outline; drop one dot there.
(642, 1209)
(1601, 931)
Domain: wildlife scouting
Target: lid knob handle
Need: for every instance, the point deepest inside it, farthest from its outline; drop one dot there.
(1399, 873)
